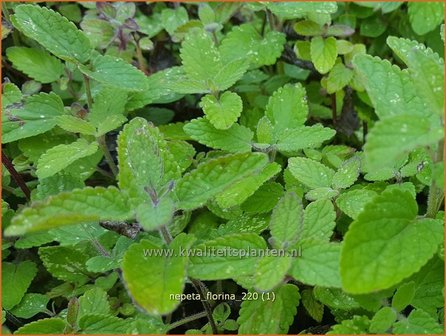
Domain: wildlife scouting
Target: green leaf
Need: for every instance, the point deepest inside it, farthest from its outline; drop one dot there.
(390, 89)
(286, 221)
(308, 28)
(403, 296)
(426, 69)
(393, 138)
(241, 190)
(382, 320)
(59, 157)
(356, 326)
(37, 116)
(224, 111)
(31, 305)
(145, 163)
(338, 78)
(264, 199)
(107, 112)
(319, 221)
(16, 279)
(94, 301)
(352, 202)
(425, 17)
(154, 280)
(235, 255)
(323, 53)
(52, 325)
(270, 271)
(291, 140)
(214, 176)
(75, 125)
(313, 307)
(102, 324)
(335, 298)
(347, 174)
(66, 263)
(311, 173)
(171, 19)
(67, 208)
(270, 316)
(244, 42)
(10, 94)
(378, 250)
(418, 322)
(287, 107)
(321, 194)
(235, 139)
(52, 31)
(36, 63)
(318, 265)
(292, 10)
(117, 73)
(152, 215)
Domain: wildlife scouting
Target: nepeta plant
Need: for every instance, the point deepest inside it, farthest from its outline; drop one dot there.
(258, 168)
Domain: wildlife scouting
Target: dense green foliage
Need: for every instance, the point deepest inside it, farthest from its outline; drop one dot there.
(133, 132)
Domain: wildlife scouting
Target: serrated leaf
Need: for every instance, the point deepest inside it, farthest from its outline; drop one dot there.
(403, 296)
(116, 72)
(36, 116)
(313, 307)
(418, 322)
(230, 73)
(66, 263)
(59, 157)
(382, 320)
(144, 161)
(171, 19)
(378, 249)
(311, 173)
(107, 112)
(53, 31)
(292, 10)
(36, 63)
(79, 206)
(347, 174)
(152, 215)
(323, 53)
(355, 326)
(54, 325)
(390, 89)
(291, 140)
(270, 271)
(319, 221)
(30, 305)
(222, 112)
(221, 265)
(287, 107)
(151, 279)
(241, 190)
(244, 42)
(270, 316)
(426, 68)
(102, 324)
(10, 94)
(264, 199)
(212, 177)
(93, 301)
(235, 139)
(394, 137)
(286, 221)
(425, 17)
(16, 279)
(75, 125)
(338, 78)
(308, 28)
(352, 202)
(318, 264)
(321, 194)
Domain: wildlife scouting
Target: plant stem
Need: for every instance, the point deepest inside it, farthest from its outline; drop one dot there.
(187, 320)
(107, 155)
(270, 18)
(198, 285)
(16, 176)
(436, 195)
(201, 289)
(88, 91)
(333, 108)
